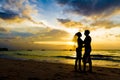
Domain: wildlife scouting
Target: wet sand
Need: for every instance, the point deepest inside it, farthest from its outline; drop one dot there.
(33, 70)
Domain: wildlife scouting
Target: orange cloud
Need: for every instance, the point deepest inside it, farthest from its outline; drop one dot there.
(105, 24)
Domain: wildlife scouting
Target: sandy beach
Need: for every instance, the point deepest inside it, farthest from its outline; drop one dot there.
(33, 70)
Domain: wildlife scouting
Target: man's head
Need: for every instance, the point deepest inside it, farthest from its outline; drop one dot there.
(87, 32)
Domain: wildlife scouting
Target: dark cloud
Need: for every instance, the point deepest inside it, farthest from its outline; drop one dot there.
(53, 35)
(15, 35)
(7, 14)
(19, 10)
(63, 20)
(90, 7)
(4, 45)
(11, 8)
(22, 34)
(3, 29)
(57, 33)
(70, 23)
(62, 2)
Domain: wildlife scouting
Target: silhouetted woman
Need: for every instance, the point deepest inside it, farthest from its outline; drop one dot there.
(87, 45)
(78, 51)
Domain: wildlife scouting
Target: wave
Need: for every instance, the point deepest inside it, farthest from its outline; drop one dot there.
(96, 57)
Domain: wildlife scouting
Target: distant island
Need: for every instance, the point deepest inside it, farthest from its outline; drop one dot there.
(3, 49)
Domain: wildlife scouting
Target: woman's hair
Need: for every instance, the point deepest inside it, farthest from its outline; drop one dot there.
(75, 37)
(78, 34)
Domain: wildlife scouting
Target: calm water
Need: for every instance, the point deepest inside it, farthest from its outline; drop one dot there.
(108, 58)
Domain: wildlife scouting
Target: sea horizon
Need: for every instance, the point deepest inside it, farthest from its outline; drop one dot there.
(7, 49)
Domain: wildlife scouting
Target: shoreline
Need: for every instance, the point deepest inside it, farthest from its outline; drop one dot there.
(34, 70)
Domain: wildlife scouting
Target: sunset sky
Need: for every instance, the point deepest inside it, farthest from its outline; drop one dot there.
(51, 24)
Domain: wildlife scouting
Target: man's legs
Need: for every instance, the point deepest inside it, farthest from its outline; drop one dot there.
(80, 64)
(90, 65)
(84, 66)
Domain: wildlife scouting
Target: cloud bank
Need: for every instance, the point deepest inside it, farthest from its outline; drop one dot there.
(90, 7)
(19, 10)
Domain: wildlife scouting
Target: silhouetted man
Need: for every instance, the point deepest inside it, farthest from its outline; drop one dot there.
(87, 45)
(78, 51)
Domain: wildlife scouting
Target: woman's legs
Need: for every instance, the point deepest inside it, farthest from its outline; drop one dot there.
(90, 65)
(76, 64)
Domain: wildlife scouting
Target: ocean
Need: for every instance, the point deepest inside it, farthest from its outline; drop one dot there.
(103, 58)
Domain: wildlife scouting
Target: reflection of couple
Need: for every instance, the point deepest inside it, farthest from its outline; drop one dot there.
(86, 57)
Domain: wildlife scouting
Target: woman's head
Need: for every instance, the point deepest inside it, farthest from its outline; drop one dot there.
(75, 37)
(78, 34)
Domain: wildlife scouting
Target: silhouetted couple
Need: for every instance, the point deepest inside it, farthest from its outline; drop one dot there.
(86, 57)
